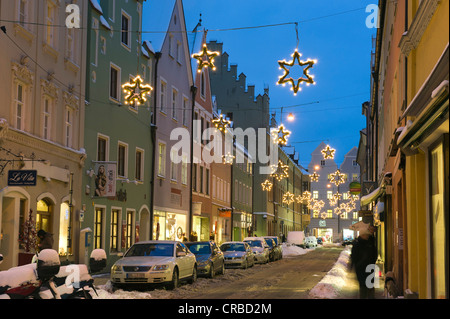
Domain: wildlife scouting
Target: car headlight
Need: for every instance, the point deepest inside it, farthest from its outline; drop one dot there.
(116, 268)
(160, 267)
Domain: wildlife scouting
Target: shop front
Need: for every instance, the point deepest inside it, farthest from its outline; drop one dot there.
(169, 226)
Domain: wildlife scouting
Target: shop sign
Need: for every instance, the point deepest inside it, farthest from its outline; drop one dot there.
(225, 213)
(355, 188)
(22, 178)
(322, 223)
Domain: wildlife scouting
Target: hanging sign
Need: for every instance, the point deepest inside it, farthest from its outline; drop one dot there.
(22, 178)
(105, 179)
(355, 188)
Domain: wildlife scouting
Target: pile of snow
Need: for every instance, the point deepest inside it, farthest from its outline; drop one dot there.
(331, 285)
(290, 250)
(49, 257)
(98, 254)
(17, 276)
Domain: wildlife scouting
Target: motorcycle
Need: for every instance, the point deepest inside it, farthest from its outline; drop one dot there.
(47, 279)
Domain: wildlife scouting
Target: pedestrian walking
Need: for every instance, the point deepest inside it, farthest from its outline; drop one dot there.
(364, 253)
(46, 240)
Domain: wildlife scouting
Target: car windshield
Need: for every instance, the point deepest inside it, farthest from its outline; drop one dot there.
(199, 248)
(232, 247)
(269, 242)
(275, 240)
(152, 250)
(254, 243)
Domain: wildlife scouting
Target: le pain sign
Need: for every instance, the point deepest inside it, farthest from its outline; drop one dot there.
(22, 177)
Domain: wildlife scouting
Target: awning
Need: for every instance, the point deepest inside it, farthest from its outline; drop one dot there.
(365, 200)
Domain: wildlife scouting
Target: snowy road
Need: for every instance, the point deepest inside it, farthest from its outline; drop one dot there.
(289, 278)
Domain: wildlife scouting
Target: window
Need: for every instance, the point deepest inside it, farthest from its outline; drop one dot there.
(184, 168)
(201, 180)
(354, 177)
(122, 160)
(207, 181)
(355, 163)
(345, 196)
(173, 165)
(98, 227)
(194, 177)
(162, 93)
(329, 195)
(23, 13)
(46, 123)
(316, 194)
(171, 47)
(129, 229)
(115, 218)
(69, 127)
(355, 215)
(344, 215)
(70, 44)
(322, 162)
(329, 213)
(162, 160)
(174, 103)
(185, 111)
(114, 82)
(179, 52)
(139, 171)
(50, 21)
(19, 107)
(102, 149)
(126, 26)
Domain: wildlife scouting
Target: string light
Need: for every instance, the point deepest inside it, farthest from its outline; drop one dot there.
(285, 78)
(221, 123)
(280, 171)
(315, 177)
(328, 152)
(280, 135)
(337, 178)
(228, 158)
(136, 91)
(267, 185)
(288, 198)
(205, 58)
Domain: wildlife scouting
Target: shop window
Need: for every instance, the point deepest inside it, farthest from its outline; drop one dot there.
(115, 228)
(98, 227)
(43, 216)
(129, 229)
(64, 224)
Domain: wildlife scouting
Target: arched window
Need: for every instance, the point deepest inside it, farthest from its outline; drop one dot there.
(44, 215)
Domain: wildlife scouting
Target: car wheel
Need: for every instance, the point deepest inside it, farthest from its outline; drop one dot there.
(222, 270)
(212, 272)
(245, 266)
(175, 280)
(194, 275)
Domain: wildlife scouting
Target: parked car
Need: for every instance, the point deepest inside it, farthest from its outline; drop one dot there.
(310, 241)
(259, 248)
(279, 247)
(155, 262)
(237, 254)
(273, 252)
(210, 259)
(347, 242)
(319, 241)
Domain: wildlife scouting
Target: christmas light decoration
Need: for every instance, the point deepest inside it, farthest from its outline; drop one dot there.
(337, 178)
(323, 215)
(280, 171)
(288, 198)
(328, 152)
(205, 58)
(136, 91)
(228, 158)
(315, 177)
(280, 135)
(267, 185)
(308, 79)
(221, 123)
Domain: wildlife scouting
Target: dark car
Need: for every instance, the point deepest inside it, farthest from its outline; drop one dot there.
(319, 241)
(278, 247)
(210, 259)
(273, 251)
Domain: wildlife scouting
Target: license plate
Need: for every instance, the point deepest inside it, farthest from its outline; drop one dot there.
(135, 275)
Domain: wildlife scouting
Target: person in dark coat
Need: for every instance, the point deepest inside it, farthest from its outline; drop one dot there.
(364, 253)
(46, 240)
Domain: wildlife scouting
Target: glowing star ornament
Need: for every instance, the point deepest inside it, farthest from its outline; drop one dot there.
(280, 135)
(280, 171)
(228, 158)
(328, 152)
(315, 177)
(221, 123)
(337, 178)
(286, 78)
(136, 91)
(288, 198)
(267, 186)
(205, 58)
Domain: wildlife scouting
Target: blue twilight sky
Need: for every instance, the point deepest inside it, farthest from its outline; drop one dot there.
(333, 32)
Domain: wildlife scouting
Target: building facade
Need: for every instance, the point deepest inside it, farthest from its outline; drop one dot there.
(42, 68)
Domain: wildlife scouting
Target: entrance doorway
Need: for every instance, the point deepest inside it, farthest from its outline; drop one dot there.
(44, 215)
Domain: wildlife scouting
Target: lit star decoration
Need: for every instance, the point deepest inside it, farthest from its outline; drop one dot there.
(205, 58)
(288, 198)
(221, 123)
(280, 171)
(228, 158)
(315, 177)
(136, 91)
(308, 79)
(337, 178)
(280, 135)
(267, 186)
(328, 152)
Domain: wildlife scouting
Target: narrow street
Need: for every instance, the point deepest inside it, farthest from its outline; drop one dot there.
(289, 278)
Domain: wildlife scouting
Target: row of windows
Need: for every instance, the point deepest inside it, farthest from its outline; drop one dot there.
(122, 157)
(329, 194)
(176, 103)
(345, 215)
